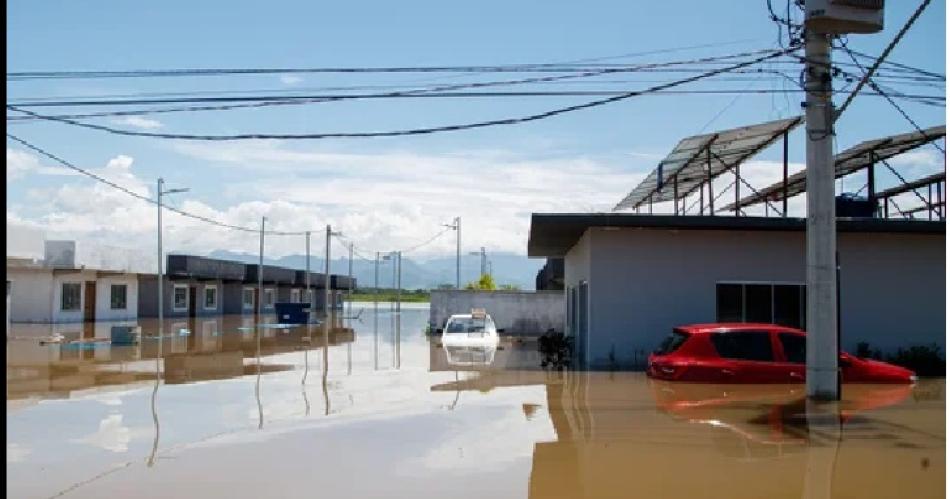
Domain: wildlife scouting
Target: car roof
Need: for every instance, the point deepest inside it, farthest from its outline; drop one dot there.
(464, 316)
(735, 327)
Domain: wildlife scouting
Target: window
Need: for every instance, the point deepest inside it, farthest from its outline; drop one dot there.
(268, 298)
(794, 346)
(752, 345)
(247, 298)
(72, 296)
(728, 303)
(211, 297)
(295, 295)
(118, 295)
(782, 304)
(180, 298)
(672, 342)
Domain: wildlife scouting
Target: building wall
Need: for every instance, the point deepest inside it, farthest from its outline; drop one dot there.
(645, 282)
(59, 279)
(517, 312)
(30, 295)
(104, 309)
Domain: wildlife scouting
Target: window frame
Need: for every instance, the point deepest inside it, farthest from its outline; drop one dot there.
(295, 295)
(780, 335)
(62, 296)
(744, 317)
(175, 288)
(125, 296)
(270, 295)
(214, 305)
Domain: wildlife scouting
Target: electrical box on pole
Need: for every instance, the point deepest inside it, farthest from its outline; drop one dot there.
(838, 17)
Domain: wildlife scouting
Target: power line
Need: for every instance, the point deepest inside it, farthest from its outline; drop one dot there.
(136, 195)
(419, 131)
(877, 63)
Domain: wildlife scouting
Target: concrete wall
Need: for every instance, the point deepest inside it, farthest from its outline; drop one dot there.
(643, 282)
(30, 295)
(518, 312)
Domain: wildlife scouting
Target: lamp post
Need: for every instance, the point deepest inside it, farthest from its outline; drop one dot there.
(160, 191)
(326, 291)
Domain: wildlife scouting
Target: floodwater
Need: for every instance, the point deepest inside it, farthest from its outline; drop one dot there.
(369, 407)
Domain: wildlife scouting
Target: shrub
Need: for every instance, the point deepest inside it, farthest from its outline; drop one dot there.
(555, 349)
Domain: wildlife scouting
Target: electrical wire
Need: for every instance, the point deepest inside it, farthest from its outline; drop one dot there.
(136, 195)
(418, 131)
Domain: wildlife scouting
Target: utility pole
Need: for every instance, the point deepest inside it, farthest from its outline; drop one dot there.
(457, 226)
(349, 289)
(376, 314)
(159, 192)
(307, 277)
(484, 260)
(399, 281)
(260, 279)
(326, 274)
(392, 258)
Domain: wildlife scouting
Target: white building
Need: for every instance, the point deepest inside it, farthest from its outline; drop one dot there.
(629, 279)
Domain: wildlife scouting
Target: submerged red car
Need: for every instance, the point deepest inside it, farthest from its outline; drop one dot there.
(753, 353)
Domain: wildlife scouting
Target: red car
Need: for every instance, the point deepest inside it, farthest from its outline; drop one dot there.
(753, 353)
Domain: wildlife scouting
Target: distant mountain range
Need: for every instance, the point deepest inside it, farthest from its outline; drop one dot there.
(507, 268)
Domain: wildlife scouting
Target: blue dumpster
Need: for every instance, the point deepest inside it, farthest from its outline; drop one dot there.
(292, 313)
(126, 335)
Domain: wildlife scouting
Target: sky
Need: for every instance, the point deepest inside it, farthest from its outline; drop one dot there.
(394, 193)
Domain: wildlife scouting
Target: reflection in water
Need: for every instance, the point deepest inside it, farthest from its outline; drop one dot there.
(523, 431)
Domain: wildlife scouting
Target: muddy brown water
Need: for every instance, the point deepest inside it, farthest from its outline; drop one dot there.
(370, 407)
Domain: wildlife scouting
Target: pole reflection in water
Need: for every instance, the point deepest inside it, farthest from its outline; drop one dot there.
(326, 360)
(823, 420)
(158, 377)
(303, 382)
(375, 336)
(398, 340)
(257, 386)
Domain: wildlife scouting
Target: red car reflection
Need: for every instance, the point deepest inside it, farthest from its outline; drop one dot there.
(753, 353)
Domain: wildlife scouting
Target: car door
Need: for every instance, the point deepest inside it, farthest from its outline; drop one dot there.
(748, 357)
(792, 358)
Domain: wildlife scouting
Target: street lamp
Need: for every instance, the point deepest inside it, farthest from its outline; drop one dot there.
(160, 191)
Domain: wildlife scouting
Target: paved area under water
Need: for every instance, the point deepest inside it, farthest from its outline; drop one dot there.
(369, 407)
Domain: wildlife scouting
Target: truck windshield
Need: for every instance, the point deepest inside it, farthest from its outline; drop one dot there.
(465, 326)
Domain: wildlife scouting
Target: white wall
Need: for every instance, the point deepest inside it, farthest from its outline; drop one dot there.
(104, 309)
(30, 299)
(59, 279)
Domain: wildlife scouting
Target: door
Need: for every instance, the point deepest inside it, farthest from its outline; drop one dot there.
(748, 357)
(89, 306)
(793, 355)
(192, 301)
(582, 332)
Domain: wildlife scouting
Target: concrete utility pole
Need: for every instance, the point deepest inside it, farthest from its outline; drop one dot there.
(349, 288)
(260, 278)
(457, 226)
(159, 192)
(326, 275)
(399, 281)
(821, 236)
(307, 277)
(376, 314)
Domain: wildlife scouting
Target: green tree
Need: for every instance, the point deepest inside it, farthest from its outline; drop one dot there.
(510, 287)
(484, 283)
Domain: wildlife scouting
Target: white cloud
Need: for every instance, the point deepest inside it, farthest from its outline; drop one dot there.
(138, 122)
(290, 79)
(21, 163)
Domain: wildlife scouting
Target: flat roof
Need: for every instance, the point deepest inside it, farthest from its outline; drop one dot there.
(554, 234)
(690, 164)
(847, 162)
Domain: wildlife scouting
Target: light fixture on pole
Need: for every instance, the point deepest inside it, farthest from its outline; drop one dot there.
(160, 191)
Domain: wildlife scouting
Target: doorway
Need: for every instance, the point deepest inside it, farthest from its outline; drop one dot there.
(192, 301)
(89, 306)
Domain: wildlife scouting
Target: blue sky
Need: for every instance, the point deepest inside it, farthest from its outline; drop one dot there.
(389, 193)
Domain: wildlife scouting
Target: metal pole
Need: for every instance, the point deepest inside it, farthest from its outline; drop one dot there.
(676, 195)
(326, 274)
(784, 175)
(307, 278)
(940, 204)
(458, 252)
(260, 279)
(349, 289)
(930, 202)
(392, 258)
(376, 313)
(871, 179)
(712, 210)
(399, 281)
(161, 271)
(702, 201)
(821, 306)
(737, 191)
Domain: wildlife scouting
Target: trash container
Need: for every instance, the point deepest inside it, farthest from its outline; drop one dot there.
(126, 335)
(292, 313)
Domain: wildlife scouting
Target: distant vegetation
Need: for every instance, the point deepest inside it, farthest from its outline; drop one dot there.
(407, 295)
(924, 360)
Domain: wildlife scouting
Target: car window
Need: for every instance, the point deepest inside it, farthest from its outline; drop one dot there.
(672, 342)
(746, 345)
(794, 346)
(465, 325)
